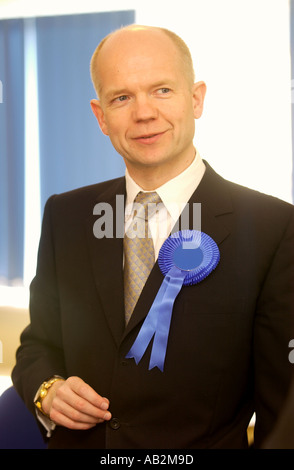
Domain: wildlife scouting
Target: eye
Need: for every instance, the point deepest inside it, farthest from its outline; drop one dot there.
(163, 91)
(121, 98)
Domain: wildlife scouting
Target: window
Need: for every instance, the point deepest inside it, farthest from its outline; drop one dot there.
(49, 139)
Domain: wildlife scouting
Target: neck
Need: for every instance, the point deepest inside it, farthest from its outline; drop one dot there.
(149, 178)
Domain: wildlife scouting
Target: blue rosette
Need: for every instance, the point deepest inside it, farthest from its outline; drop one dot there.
(185, 258)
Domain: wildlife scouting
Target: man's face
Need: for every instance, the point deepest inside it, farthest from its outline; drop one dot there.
(147, 107)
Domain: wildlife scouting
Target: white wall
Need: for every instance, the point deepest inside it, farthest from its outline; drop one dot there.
(241, 50)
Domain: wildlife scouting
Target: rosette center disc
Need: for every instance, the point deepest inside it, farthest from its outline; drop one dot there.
(187, 256)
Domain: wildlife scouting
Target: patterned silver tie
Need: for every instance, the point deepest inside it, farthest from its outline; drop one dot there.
(138, 250)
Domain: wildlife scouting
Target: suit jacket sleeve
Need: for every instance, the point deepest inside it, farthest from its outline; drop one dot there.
(40, 355)
(272, 332)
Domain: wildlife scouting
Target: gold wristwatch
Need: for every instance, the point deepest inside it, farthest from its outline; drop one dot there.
(42, 392)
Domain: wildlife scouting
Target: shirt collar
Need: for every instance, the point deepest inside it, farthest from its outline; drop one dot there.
(176, 192)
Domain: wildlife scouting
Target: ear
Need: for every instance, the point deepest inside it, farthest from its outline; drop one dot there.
(199, 91)
(99, 114)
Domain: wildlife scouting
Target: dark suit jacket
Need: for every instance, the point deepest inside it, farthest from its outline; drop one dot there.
(282, 436)
(227, 353)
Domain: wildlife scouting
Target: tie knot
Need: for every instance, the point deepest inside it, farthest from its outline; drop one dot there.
(147, 198)
(148, 203)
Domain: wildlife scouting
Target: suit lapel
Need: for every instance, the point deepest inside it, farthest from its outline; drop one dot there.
(107, 260)
(215, 199)
(212, 193)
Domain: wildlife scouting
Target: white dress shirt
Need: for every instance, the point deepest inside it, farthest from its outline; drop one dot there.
(174, 195)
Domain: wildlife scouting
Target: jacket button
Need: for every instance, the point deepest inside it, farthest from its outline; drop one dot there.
(114, 423)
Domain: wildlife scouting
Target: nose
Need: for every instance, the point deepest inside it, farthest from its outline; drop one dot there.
(144, 109)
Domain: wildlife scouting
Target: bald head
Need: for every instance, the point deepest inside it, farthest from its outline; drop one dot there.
(136, 37)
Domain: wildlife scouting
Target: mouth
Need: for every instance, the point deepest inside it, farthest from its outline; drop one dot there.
(149, 138)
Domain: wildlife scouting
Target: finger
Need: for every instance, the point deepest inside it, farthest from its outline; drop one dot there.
(77, 407)
(74, 414)
(84, 390)
(62, 420)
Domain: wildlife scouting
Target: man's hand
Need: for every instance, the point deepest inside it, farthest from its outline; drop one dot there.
(74, 404)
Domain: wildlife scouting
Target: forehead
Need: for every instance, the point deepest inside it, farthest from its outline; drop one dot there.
(138, 55)
(138, 41)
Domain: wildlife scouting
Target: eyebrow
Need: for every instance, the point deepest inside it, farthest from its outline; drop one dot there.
(164, 83)
(112, 93)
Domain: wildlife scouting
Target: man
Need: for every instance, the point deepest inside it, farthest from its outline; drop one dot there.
(227, 352)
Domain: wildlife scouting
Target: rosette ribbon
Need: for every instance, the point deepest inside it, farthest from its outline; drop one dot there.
(186, 258)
